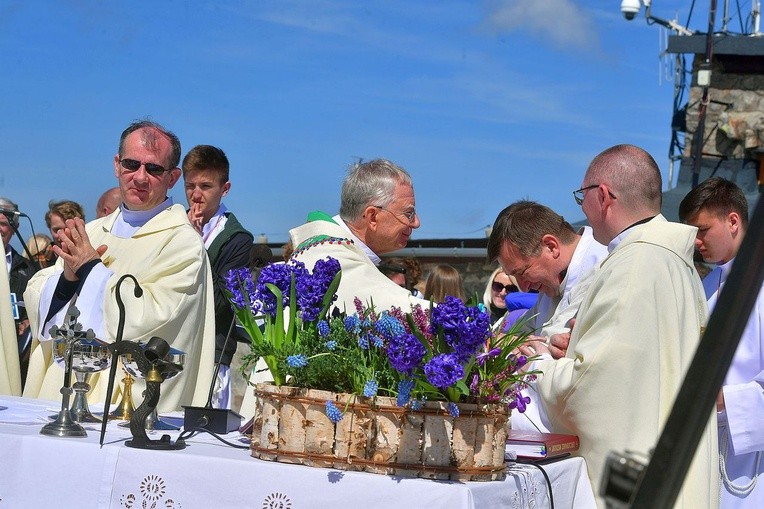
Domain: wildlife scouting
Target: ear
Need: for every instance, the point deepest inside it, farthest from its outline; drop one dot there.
(174, 177)
(226, 188)
(734, 223)
(603, 195)
(116, 166)
(371, 217)
(551, 243)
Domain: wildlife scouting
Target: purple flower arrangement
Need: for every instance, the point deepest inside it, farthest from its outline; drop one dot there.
(445, 353)
(286, 299)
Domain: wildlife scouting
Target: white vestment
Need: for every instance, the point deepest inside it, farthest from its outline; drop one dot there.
(550, 315)
(318, 239)
(10, 375)
(167, 257)
(741, 424)
(636, 333)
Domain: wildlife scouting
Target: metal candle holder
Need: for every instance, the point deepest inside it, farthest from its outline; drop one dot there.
(151, 361)
(134, 368)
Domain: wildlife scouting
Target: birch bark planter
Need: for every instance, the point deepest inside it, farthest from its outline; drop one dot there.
(377, 436)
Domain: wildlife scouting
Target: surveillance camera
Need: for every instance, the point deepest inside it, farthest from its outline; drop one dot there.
(630, 8)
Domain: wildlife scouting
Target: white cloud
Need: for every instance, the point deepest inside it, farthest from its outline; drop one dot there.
(561, 22)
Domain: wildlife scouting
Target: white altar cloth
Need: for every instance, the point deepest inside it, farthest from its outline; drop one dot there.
(40, 471)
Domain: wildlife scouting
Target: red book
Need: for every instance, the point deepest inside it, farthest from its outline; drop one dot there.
(535, 445)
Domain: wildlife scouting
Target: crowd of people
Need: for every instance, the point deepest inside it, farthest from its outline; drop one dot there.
(614, 310)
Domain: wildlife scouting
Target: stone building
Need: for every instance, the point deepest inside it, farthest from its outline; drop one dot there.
(733, 128)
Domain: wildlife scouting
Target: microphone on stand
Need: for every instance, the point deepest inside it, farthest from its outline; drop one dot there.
(11, 212)
(13, 216)
(215, 420)
(222, 420)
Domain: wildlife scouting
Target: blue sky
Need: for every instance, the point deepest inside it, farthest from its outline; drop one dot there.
(483, 102)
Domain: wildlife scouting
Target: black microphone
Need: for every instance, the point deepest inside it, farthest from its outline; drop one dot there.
(12, 212)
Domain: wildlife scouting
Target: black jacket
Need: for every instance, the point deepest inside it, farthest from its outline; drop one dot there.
(229, 250)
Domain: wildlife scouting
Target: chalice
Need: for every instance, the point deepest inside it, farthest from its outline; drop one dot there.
(88, 356)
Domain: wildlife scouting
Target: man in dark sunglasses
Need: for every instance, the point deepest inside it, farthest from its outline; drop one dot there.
(149, 238)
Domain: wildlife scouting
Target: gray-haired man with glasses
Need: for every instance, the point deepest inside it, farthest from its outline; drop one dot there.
(377, 216)
(149, 237)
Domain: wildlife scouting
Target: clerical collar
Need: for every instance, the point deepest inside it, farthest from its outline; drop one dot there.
(618, 238)
(366, 249)
(129, 221)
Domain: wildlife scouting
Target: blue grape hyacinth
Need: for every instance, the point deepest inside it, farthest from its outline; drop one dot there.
(333, 413)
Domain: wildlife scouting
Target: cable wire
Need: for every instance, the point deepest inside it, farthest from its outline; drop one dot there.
(190, 432)
(537, 464)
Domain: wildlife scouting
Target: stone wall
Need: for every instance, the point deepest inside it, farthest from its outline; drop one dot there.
(735, 114)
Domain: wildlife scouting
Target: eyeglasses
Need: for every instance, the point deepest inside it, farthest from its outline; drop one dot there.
(410, 216)
(132, 165)
(579, 194)
(498, 287)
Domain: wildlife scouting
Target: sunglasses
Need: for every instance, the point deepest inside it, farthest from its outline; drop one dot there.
(498, 287)
(152, 169)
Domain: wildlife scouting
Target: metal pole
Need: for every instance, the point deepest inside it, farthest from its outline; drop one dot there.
(700, 133)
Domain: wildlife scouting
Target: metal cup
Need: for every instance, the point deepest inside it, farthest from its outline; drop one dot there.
(88, 356)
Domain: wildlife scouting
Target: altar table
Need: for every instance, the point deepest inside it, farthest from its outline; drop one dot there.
(41, 471)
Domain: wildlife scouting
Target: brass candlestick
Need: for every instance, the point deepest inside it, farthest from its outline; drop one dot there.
(125, 408)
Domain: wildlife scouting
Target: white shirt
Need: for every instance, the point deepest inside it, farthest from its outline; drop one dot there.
(358, 242)
(214, 226)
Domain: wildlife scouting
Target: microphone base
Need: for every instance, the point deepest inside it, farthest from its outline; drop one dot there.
(215, 420)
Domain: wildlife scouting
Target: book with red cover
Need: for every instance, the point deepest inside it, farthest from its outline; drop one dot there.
(536, 445)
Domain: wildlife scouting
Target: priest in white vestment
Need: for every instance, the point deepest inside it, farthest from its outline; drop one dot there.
(151, 239)
(636, 331)
(719, 209)
(545, 253)
(377, 216)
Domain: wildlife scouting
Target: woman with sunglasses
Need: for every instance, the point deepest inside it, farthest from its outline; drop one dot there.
(500, 290)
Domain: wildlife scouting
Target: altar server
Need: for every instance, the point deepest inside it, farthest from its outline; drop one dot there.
(720, 211)
(150, 238)
(228, 243)
(637, 328)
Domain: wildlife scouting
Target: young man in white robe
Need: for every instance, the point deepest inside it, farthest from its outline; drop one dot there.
(636, 331)
(718, 208)
(151, 239)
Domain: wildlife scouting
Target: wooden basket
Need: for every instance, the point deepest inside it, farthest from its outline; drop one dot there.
(378, 436)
